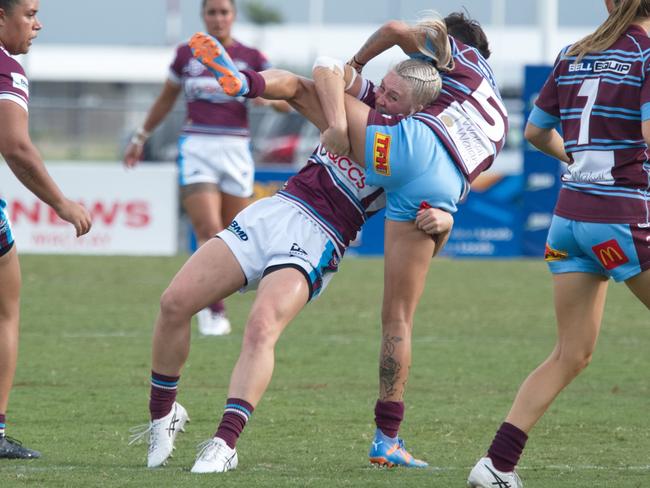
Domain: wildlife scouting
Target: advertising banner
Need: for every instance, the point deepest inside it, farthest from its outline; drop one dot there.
(541, 175)
(135, 212)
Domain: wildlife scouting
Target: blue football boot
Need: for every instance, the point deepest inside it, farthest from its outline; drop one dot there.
(390, 452)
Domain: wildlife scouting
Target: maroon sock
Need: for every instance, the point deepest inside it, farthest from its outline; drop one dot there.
(388, 417)
(507, 446)
(235, 416)
(256, 83)
(218, 307)
(2, 424)
(163, 394)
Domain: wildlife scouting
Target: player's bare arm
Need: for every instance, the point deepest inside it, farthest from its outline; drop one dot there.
(161, 107)
(548, 141)
(330, 87)
(25, 162)
(392, 33)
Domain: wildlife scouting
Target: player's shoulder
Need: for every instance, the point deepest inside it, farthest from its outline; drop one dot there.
(9, 65)
(183, 50)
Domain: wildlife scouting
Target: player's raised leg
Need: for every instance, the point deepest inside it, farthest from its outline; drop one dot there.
(280, 296)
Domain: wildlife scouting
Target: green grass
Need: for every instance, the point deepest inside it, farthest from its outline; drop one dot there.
(82, 381)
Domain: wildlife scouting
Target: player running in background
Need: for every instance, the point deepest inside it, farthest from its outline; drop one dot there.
(216, 168)
(599, 94)
(18, 28)
(288, 247)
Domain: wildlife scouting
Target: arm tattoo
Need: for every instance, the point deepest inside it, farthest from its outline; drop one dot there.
(389, 367)
(362, 54)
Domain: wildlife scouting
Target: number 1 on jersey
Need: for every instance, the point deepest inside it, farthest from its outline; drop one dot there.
(588, 89)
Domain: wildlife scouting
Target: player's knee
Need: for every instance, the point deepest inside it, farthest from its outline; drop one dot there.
(576, 360)
(261, 331)
(207, 230)
(395, 325)
(171, 306)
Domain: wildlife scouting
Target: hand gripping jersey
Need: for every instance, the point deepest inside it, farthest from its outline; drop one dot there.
(209, 109)
(600, 103)
(469, 116)
(14, 85)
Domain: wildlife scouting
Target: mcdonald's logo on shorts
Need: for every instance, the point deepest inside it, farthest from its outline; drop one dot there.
(381, 154)
(610, 254)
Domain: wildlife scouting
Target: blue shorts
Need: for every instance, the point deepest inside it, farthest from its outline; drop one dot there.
(412, 165)
(6, 237)
(619, 251)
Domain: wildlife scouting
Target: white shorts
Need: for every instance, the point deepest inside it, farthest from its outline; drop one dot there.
(272, 234)
(223, 160)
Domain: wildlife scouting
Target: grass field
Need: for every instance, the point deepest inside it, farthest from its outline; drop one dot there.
(82, 381)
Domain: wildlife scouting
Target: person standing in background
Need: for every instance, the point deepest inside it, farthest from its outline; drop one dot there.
(19, 26)
(216, 168)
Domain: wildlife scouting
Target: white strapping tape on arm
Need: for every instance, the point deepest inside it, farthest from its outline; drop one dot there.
(354, 77)
(329, 63)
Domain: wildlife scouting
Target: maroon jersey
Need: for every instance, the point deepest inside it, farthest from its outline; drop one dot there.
(469, 116)
(209, 109)
(14, 85)
(333, 191)
(600, 103)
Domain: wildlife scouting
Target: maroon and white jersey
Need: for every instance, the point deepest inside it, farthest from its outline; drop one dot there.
(209, 109)
(600, 104)
(469, 116)
(333, 191)
(14, 85)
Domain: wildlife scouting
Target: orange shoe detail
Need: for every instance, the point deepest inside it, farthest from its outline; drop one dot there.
(381, 462)
(205, 49)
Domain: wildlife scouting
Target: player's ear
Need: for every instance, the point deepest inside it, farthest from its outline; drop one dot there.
(417, 108)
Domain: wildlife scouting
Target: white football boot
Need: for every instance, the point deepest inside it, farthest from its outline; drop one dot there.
(485, 475)
(215, 456)
(213, 323)
(162, 434)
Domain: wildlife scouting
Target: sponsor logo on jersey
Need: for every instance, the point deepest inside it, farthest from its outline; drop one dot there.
(610, 254)
(296, 249)
(20, 82)
(551, 254)
(350, 170)
(195, 68)
(612, 66)
(236, 229)
(606, 66)
(381, 154)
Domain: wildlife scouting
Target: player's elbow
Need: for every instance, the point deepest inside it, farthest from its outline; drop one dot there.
(395, 29)
(328, 63)
(535, 135)
(645, 131)
(16, 152)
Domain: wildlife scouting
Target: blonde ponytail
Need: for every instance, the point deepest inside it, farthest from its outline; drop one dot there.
(625, 13)
(432, 41)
